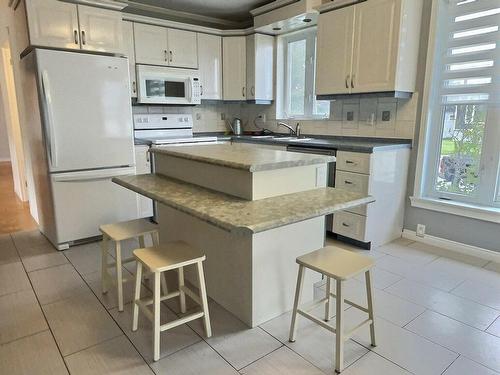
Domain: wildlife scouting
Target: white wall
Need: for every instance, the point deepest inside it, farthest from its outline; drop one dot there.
(4, 139)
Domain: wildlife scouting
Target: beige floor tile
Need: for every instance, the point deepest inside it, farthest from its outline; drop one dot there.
(13, 278)
(381, 278)
(32, 355)
(20, 316)
(424, 274)
(414, 253)
(116, 356)
(8, 252)
(110, 299)
(461, 309)
(86, 258)
(57, 283)
(170, 341)
(410, 351)
(281, 362)
(196, 359)
(464, 366)
(481, 293)
(371, 364)
(449, 254)
(41, 261)
(474, 344)
(30, 243)
(79, 322)
(232, 339)
(494, 329)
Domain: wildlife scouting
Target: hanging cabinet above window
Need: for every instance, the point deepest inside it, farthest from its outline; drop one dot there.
(370, 47)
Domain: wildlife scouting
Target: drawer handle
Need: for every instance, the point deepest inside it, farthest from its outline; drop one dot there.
(350, 162)
(345, 225)
(76, 36)
(347, 182)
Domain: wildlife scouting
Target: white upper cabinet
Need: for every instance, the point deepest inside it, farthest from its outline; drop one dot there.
(369, 47)
(100, 29)
(210, 66)
(182, 48)
(129, 51)
(156, 45)
(151, 46)
(260, 65)
(334, 52)
(234, 67)
(53, 23)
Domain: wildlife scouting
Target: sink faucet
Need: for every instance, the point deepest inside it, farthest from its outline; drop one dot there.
(293, 131)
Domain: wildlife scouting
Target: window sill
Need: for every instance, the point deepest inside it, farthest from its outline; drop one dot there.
(491, 214)
(280, 118)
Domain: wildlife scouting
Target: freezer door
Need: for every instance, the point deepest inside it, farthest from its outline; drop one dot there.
(85, 101)
(85, 200)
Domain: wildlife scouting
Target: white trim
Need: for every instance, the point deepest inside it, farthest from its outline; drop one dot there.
(107, 4)
(491, 214)
(453, 246)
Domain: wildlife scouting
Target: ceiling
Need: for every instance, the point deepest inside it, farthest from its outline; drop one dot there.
(217, 12)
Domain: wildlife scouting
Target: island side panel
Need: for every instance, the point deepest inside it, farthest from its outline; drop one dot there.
(274, 254)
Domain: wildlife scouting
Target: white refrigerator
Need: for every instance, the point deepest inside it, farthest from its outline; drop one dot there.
(79, 136)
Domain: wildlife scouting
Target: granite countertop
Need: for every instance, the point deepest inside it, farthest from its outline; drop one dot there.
(242, 156)
(238, 215)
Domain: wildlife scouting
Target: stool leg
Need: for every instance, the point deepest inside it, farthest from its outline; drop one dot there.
(369, 297)
(156, 317)
(137, 296)
(182, 295)
(339, 335)
(104, 264)
(204, 301)
(328, 299)
(298, 293)
(119, 278)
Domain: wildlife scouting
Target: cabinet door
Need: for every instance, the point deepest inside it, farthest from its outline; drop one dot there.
(143, 166)
(53, 23)
(100, 29)
(375, 45)
(129, 51)
(183, 48)
(234, 68)
(210, 62)
(334, 51)
(150, 44)
(260, 60)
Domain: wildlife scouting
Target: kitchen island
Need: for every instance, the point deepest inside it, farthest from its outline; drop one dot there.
(252, 211)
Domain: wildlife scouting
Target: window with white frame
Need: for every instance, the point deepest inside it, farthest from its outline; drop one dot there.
(462, 145)
(299, 64)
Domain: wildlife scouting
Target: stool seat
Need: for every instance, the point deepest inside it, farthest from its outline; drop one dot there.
(128, 229)
(336, 263)
(169, 255)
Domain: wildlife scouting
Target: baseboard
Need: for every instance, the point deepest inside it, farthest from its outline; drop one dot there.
(454, 246)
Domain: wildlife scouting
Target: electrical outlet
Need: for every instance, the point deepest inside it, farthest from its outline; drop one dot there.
(420, 230)
(222, 116)
(198, 116)
(262, 117)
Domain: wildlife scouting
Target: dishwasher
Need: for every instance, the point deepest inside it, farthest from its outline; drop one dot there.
(331, 169)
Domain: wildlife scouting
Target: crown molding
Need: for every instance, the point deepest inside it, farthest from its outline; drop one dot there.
(107, 4)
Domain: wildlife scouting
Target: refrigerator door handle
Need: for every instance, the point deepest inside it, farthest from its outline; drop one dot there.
(100, 174)
(51, 143)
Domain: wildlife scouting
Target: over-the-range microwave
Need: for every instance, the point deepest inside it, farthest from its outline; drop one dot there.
(165, 85)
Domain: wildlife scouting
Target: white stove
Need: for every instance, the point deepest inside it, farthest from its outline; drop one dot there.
(167, 129)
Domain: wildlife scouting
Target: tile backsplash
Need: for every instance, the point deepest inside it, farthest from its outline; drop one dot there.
(366, 117)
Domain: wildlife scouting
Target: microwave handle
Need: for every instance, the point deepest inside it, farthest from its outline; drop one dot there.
(189, 90)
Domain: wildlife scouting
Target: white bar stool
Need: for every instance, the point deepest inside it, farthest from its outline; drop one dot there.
(340, 265)
(118, 232)
(161, 258)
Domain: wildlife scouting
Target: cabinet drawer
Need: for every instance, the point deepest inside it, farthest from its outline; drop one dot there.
(349, 225)
(353, 162)
(355, 182)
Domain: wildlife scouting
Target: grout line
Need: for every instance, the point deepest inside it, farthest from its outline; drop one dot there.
(447, 367)
(416, 317)
(265, 355)
(25, 336)
(41, 309)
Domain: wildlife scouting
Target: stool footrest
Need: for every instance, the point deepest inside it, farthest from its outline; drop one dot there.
(349, 334)
(191, 295)
(149, 301)
(353, 304)
(316, 320)
(182, 320)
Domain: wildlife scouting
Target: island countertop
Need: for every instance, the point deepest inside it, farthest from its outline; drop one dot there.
(242, 156)
(238, 215)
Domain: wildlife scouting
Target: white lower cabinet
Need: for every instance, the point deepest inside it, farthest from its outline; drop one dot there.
(143, 166)
(381, 174)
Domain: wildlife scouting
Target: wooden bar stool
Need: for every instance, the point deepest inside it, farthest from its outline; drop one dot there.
(161, 258)
(118, 232)
(340, 265)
